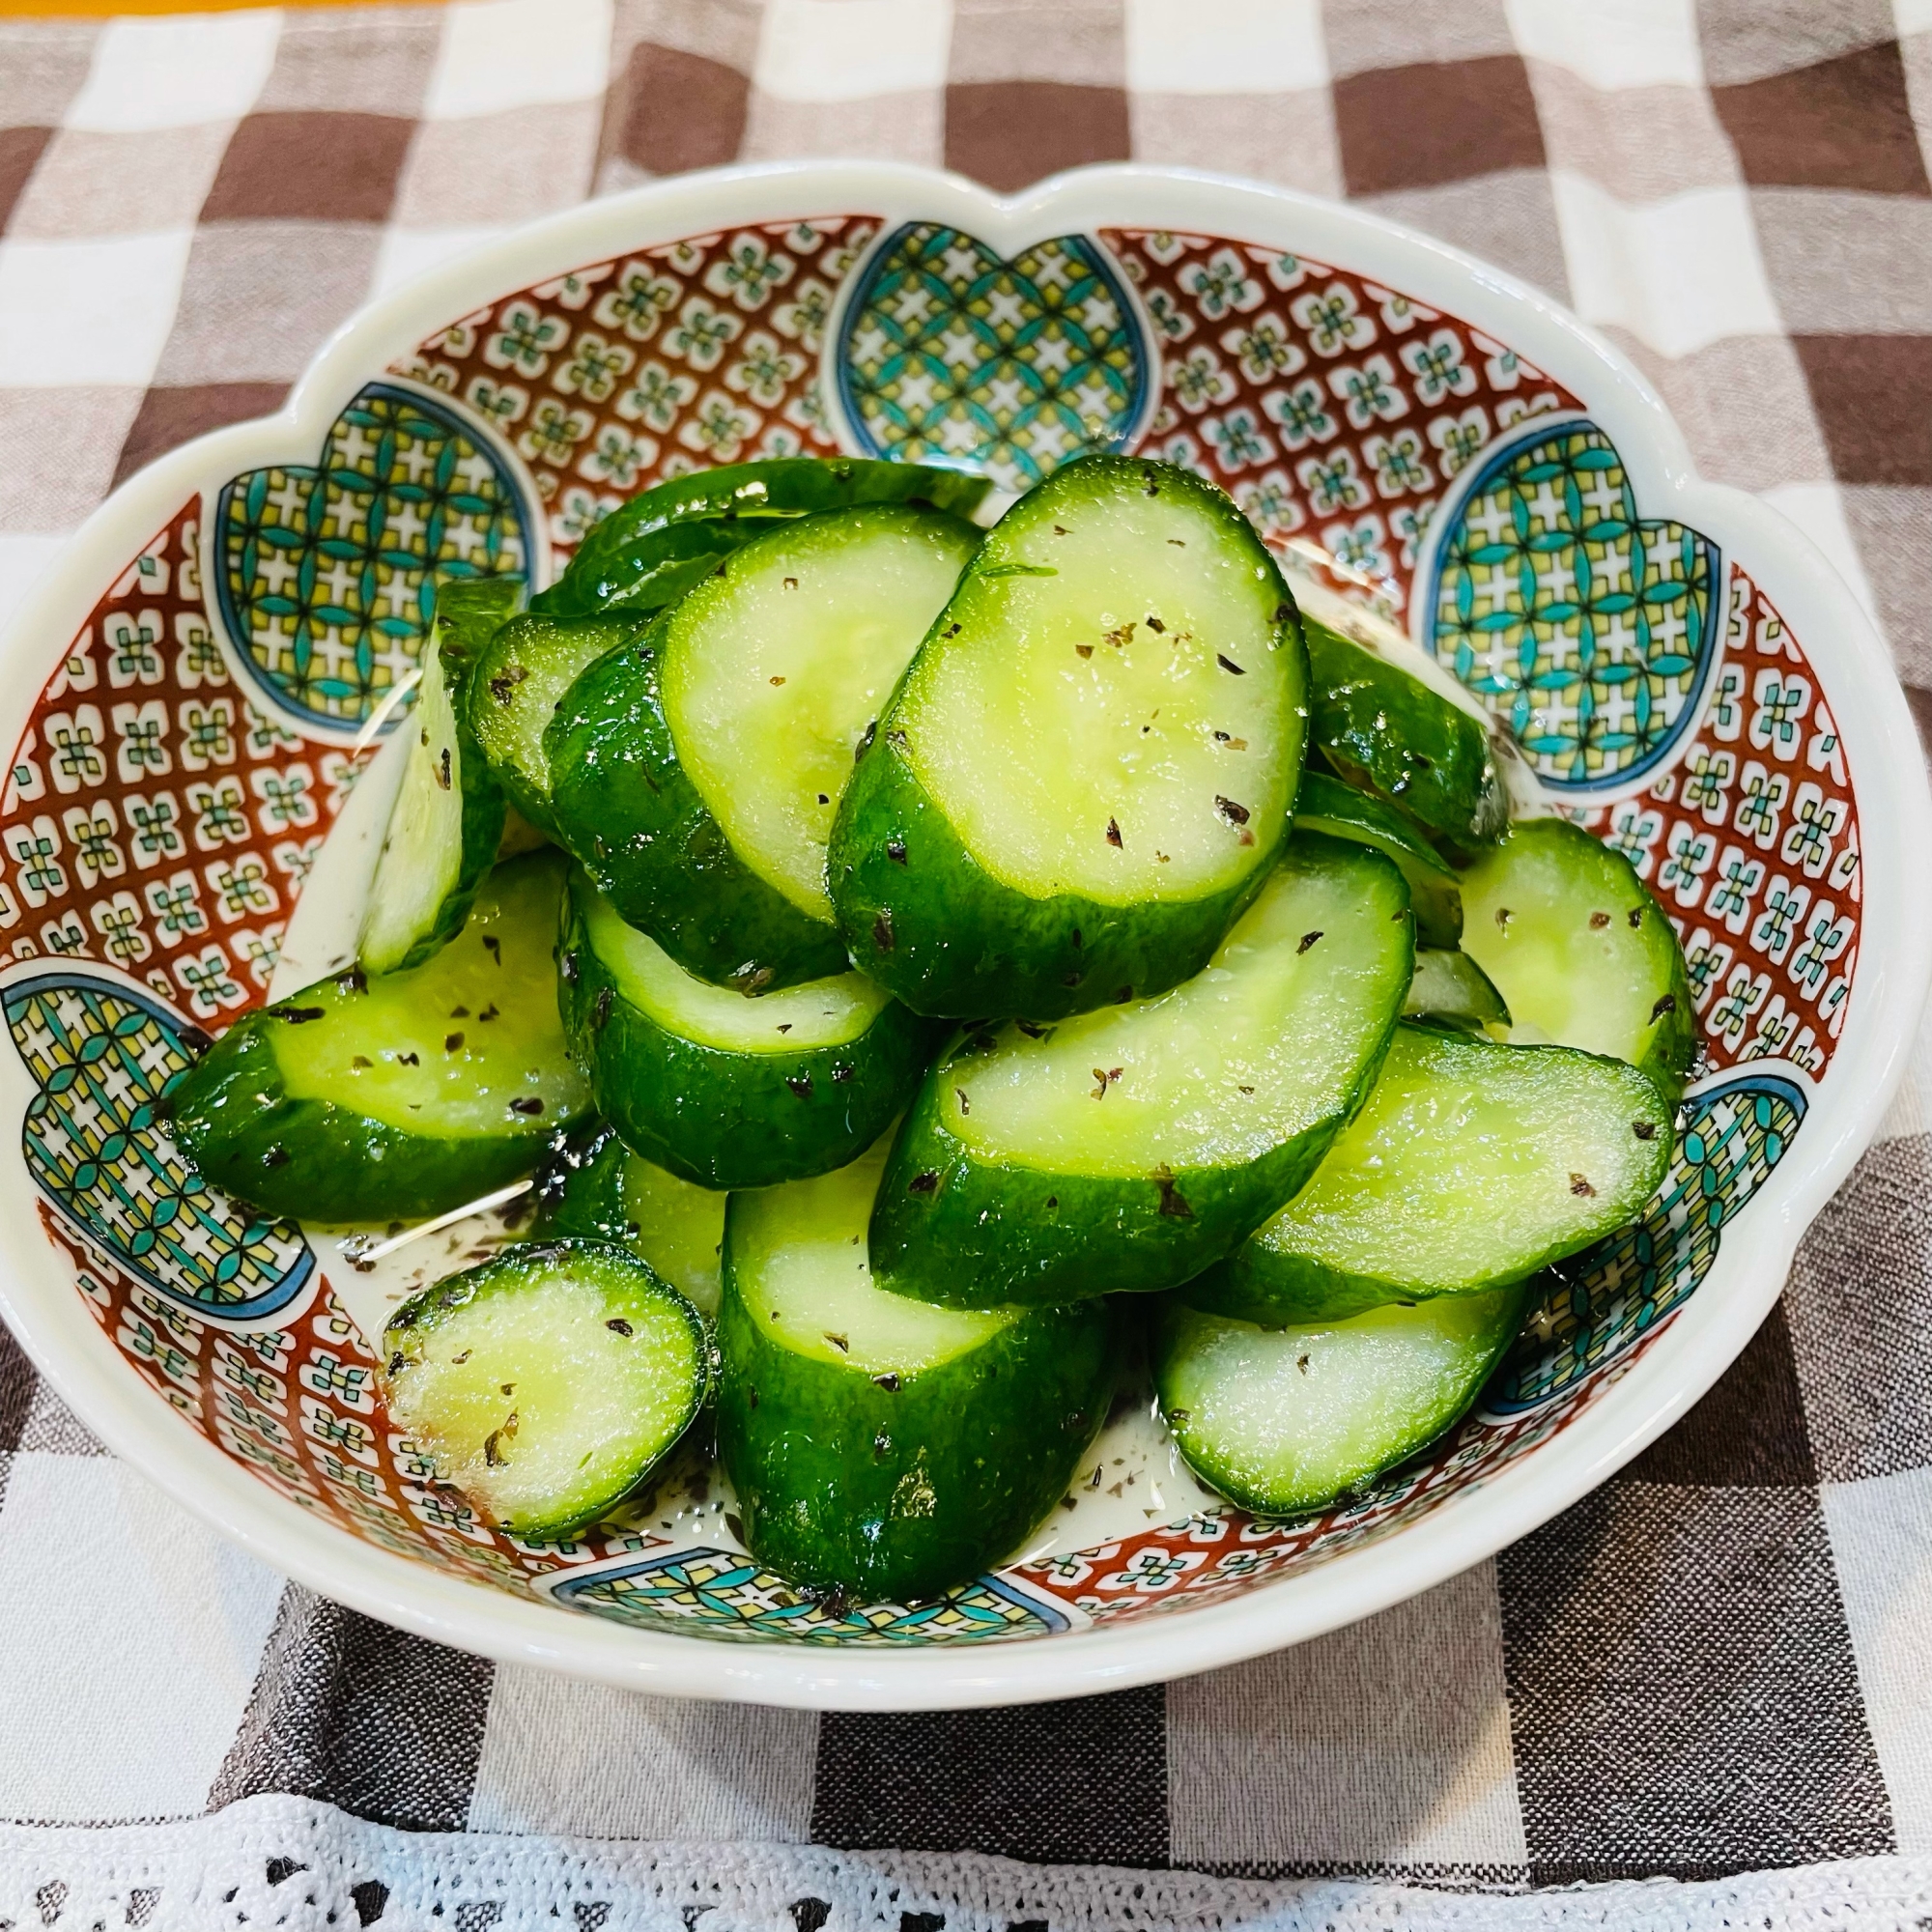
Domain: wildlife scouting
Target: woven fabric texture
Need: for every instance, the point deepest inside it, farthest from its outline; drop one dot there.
(1717, 1665)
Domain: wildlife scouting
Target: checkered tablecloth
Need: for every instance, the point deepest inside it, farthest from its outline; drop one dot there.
(1720, 1665)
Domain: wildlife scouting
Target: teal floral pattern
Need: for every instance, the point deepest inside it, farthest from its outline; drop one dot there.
(1603, 1302)
(95, 1142)
(949, 355)
(1583, 628)
(327, 575)
(717, 1593)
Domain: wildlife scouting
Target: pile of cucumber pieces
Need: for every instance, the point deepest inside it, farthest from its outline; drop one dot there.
(930, 964)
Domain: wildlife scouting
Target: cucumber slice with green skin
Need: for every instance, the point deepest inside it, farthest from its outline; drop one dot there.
(469, 610)
(667, 541)
(447, 820)
(649, 842)
(1325, 804)
(1387, 733)
(1580, 950)
(512, 693)
(880, 1447)
(1086, 775)
(1451, 988)
(1289, 1420)
(371, 1100)
(604, 1190)
(1470, 1165)
(724, 1090)
(697, 771)
(547, 1383)
(1128, 1149)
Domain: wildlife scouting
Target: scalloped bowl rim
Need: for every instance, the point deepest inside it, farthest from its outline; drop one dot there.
(39, 1300)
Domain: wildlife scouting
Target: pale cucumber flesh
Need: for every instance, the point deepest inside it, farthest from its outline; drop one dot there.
(1578, 948)
(775, 669)
(468, 1043)
(797, 1255)
(1267, 1040)
(422, 850)
(680, 1230)
(820, 1012)
(546, 1382)
(519, 683)
(1450, 987)
(1472, 1164)
(1286, 1420)
(1109, 710)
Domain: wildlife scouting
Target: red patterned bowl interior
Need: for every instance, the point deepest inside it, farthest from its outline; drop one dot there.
(198, 738)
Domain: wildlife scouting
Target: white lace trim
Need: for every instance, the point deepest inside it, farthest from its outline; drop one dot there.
(276, 1861)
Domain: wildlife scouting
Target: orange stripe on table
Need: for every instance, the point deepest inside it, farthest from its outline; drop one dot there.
(100, 10)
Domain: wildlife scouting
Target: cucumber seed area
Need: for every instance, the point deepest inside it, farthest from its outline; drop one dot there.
(1108, 709)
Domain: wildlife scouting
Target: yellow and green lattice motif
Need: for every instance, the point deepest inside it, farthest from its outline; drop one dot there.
(1585, 628)
(95, 1144)
(717, 1593)
(1603, 1302)
(949, 354)
(328, 575)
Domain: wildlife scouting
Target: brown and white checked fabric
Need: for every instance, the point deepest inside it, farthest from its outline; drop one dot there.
(1723, 1660)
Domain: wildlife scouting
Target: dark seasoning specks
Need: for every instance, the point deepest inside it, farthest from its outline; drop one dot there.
(1140, 1478)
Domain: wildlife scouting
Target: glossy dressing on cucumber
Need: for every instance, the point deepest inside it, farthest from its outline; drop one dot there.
(807, 1283)
(1116, 666)
(467, 1044)
(821, 1012)
(1267, 1040)
(387, 1098)
(724, 1090)
(1470, 1164)
(446, 821)
(1128, 1149)
(775, 670)
(1085, 773)
(1326, 804)
(1582, 951)
(878, 1445)
(519, 681)
(547, 1382)
(1287, 1420)
(604, 1190)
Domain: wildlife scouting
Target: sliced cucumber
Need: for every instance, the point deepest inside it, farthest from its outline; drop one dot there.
(1580, 950)
(603, 1189)
(1087, 773)
(1470, 1165)
(1325, 804)
(724, 1090)
(1452, 989)
(668, 540)
(773, 677)
(520, 835)
(369, 1101)
(547, 1383)
(880, 1447)
(698, 770)
(447, 820)
(514, 692)
(1130, 1148)
(1287, 1420)
(1388, 734)
(469, 610)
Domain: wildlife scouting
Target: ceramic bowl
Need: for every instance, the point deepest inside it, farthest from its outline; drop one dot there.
(197, 696)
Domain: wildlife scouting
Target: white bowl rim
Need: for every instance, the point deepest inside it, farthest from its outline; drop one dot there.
(41, 1304)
